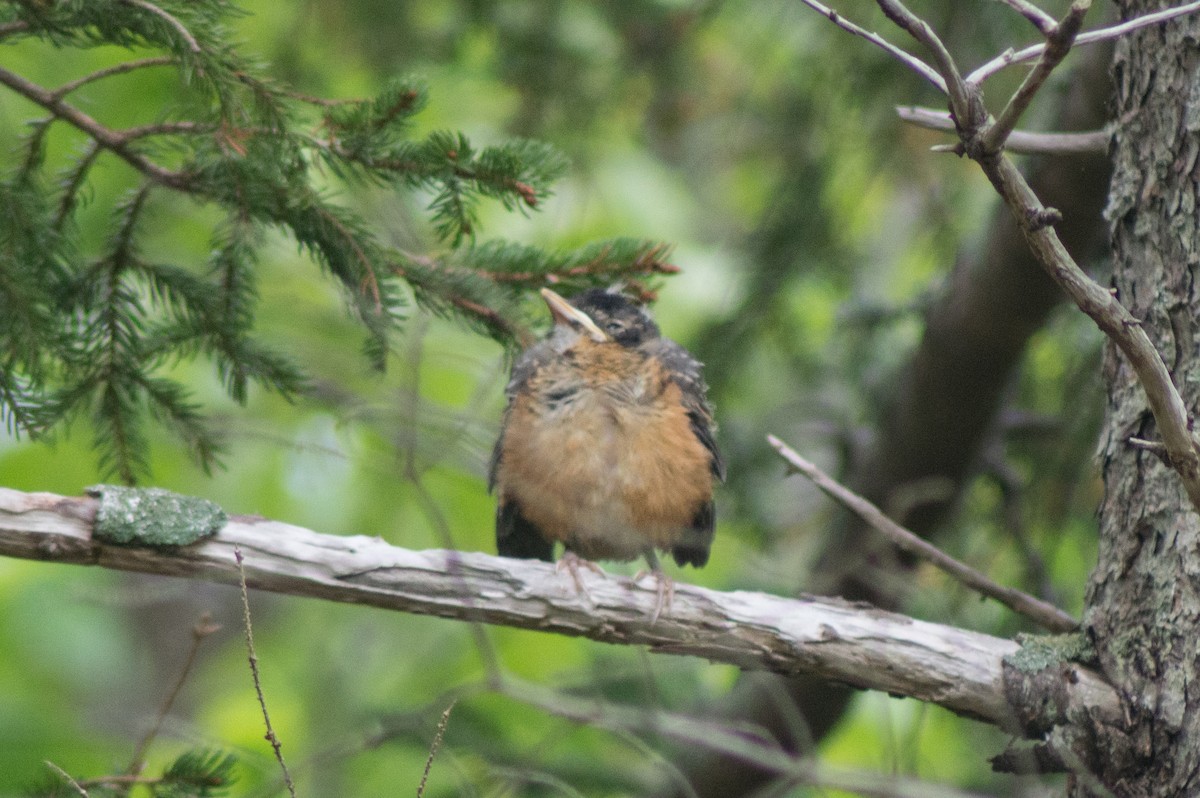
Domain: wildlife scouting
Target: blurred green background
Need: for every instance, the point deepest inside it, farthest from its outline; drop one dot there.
(812, 230)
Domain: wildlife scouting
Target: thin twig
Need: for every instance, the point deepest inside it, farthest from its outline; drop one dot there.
(1008, 58)
(1036, 222)
(1154, 447)
(67, 777)
(1057, 46)
(1022, 142)
(1040, 19)
(106, 137)
(181, 128)
(121, 780)
(433, 748)
(911, 61)
(262, 701)
(964, 104)
(116, 69)
(203, 628)
(193, 45)
(488, 316)
(1046, 615)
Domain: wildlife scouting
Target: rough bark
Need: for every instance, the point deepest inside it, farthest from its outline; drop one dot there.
(1143, 601)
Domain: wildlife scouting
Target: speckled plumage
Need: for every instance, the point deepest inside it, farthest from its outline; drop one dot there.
(607, 445)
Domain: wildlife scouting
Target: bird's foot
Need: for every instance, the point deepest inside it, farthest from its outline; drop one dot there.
(572, 562)
(664, 589)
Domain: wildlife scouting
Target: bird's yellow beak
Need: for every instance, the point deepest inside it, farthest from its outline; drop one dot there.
(566, 313)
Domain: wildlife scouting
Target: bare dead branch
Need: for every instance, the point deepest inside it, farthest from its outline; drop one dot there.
(1167, 406)
(1040, 19)
(1009, 57)
(1058, 44)
(1040, 612)
(851, 643)
(911, 61)
(1036, 223)
(1154, 447)
(1022, 142)
(964, 105)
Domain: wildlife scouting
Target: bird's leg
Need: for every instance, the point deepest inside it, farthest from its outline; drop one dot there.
(664, 585)
(572, 562)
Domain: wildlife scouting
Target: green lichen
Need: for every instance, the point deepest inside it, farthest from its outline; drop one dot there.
(1038, 652)
(153, 517)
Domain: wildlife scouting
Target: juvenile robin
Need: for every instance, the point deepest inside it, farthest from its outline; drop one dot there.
(607, 444)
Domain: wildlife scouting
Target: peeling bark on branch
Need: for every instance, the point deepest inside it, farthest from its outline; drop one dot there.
(836, 640)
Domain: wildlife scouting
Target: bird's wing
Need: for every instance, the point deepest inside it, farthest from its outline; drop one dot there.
(526, 365)
(686, 372)
(516, 536)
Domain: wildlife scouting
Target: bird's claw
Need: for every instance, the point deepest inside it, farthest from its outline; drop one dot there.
(572, 562)
(664, 590)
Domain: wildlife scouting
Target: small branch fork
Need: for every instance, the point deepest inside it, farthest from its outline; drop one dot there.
(984, 139)
(1040, 612)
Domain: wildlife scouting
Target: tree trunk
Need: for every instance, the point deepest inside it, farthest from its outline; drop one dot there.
(1144, 598)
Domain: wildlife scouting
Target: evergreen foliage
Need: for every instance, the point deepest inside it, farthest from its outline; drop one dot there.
(199, 773)
(92, 334)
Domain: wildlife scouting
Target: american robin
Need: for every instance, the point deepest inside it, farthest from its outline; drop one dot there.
(607, 443)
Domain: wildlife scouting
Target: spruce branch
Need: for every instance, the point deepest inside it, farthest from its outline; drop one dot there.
(103, 136)
(72, 182)
(121, 68)
(198, 774)
(171, 21)
(242, 144)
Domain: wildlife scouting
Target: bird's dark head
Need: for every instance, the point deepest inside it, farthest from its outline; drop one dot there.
(603, 316)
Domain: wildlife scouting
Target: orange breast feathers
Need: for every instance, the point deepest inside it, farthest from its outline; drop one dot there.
(600, 454)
